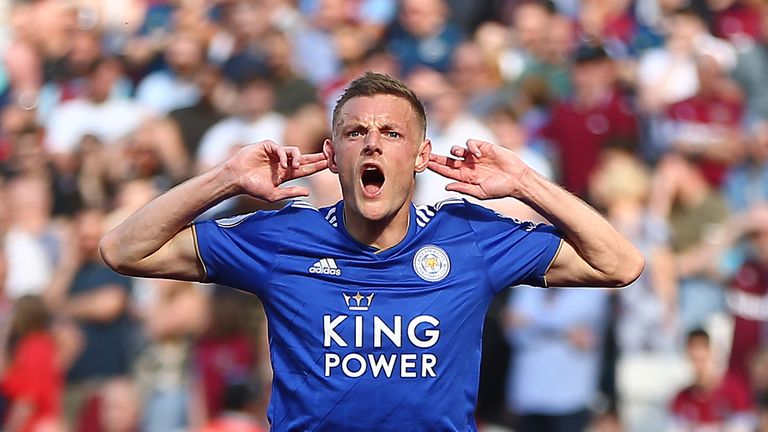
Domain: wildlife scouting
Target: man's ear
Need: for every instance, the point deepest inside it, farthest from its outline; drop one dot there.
(422, 159)
(330, 154)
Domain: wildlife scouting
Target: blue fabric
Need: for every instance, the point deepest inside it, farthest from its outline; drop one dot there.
(108, 345)
(550, 375)
(433, 52)
(699, 299)
(746, 185)
(166, 411)
(331, 347)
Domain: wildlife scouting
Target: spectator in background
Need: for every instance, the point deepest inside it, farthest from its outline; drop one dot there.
(254, 120)
(23, 70)
(242, 28)
(85, 291)
(450, 123)
(758, 374)
(130, 196)
(142, 45)
(707, 125)
(696, 214)
(609, 23)
(195, 120)
(115, 407)
(509, 133)
(646, 325)
(32, 240)
(292, 91)
(745, 268)
(752, 67)
(314, 52)
(239, 402)
(556, 339)
(174, 86)
(529, 21)
(98, 114)
(597, 115)
(306, 129)
(477, 79)
(6, 310)
(423, 36)
(172, 313)
(736, 20)
(154, 152)
(93, 175)
(351, 48)
(542, 42)
(667, 74)
(746, 183)
(71, 74)
(28, 158)
(33, 380)
(14, 120)
(226, 352)
(713, 401)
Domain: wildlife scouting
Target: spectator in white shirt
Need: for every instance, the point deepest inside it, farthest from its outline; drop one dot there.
(107, 118)
(254, 120)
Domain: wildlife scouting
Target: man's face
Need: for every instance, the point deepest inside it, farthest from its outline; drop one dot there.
(377, 147)
(422, 18)
(700, 355)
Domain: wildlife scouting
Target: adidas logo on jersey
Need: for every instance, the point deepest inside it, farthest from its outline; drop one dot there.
(326, 266)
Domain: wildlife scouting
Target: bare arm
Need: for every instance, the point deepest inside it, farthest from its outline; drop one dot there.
(158, 241)
(103, 304)
(18, 416)
(593, 253)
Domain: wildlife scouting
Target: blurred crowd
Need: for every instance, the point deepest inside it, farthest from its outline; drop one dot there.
(653, 111)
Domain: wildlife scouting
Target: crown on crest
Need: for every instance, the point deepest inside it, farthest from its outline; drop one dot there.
(358, 302)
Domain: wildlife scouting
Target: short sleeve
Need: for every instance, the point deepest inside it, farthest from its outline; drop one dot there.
(515, 252)
(25, 378)
(240, 251)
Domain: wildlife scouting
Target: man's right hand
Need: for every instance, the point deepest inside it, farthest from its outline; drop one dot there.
(259, 169)
(156, 242)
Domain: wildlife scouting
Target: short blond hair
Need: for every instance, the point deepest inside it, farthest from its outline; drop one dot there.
(620, 176)
(371, 84)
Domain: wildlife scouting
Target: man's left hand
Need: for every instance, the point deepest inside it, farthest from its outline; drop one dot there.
(481, 169)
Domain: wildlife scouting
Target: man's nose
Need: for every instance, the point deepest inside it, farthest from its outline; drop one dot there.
(372, 143)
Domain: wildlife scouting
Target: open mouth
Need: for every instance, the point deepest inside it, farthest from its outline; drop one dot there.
(372, 178)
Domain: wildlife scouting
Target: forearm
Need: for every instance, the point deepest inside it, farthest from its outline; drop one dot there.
(613, 259)
(18, 416)
(55, 295)
(146, 231)
(101, 305)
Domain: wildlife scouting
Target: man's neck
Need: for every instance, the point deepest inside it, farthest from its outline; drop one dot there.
(381, 234)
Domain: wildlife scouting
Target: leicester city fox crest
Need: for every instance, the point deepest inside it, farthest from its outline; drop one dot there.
(431, 263)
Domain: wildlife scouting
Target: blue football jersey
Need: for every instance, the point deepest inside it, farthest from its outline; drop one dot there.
(371, 340)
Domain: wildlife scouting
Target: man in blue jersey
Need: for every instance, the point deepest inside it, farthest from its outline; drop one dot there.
(375, 306)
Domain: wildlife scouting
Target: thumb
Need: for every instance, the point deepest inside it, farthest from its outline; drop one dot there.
(280, 194)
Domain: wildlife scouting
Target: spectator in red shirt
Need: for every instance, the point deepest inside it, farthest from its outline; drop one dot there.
(737, 20)
(33, 380)
(226, 353)
(596, 116)
(712, 402)
(748, 288)
(707, 125)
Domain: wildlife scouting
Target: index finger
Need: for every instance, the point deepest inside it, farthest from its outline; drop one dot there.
(311, 158)
(445, 160)
(309, 168)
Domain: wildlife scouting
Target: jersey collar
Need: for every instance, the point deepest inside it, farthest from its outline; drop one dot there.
(371, 250)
